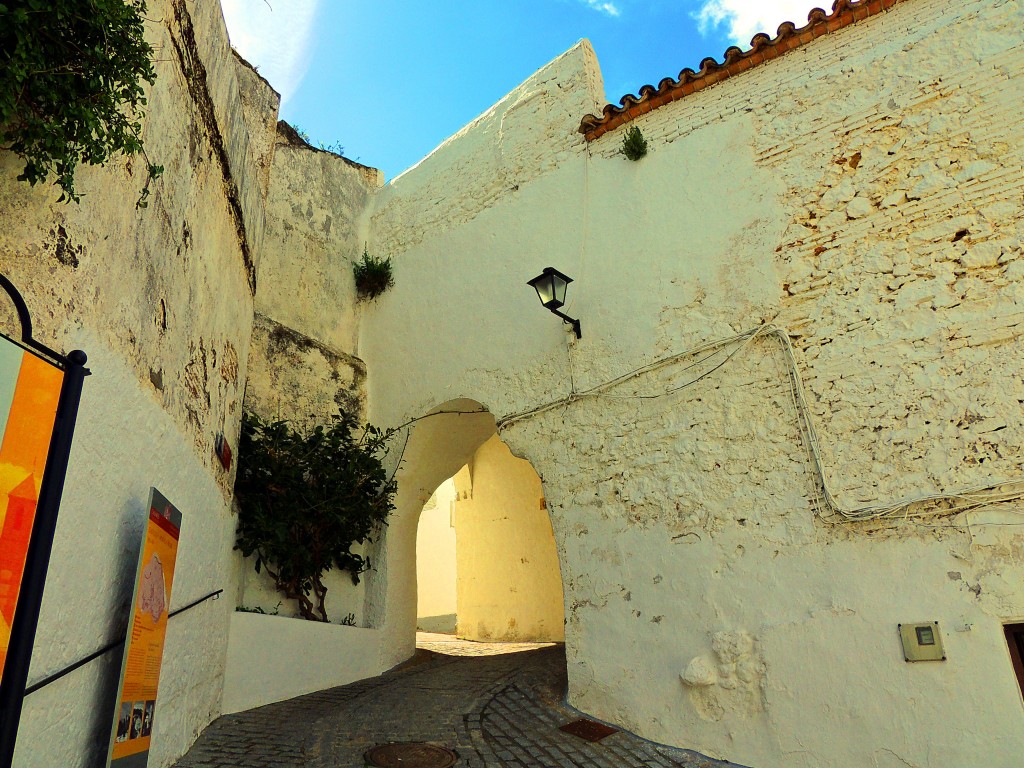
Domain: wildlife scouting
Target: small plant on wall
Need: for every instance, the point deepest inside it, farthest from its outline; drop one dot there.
(306, 498)
(373, 276)
(634, 145)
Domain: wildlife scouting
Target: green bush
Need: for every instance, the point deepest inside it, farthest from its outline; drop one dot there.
(71, 85)
(306, 498)
(634, 145)
(373, 276)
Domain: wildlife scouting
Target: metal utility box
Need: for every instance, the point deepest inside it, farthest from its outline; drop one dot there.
(922, 642)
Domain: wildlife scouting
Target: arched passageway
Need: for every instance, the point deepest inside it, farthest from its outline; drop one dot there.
(442, 443)
(486, 562)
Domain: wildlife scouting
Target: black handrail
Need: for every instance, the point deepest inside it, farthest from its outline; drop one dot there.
(108, 647)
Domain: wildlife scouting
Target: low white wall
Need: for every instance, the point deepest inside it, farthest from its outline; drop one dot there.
(343, 600)
(273, 658)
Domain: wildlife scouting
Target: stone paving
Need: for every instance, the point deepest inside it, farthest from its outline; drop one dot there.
(494, 704)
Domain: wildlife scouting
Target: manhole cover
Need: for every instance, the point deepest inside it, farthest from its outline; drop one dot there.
(410, 755)
(588, 729)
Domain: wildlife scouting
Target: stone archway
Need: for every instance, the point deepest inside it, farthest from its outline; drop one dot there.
(487, 565)
(440, 443)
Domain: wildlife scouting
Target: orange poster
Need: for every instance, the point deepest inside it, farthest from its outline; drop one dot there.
(29, 391)
(144, 649)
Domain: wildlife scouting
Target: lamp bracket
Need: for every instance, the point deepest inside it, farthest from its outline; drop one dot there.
(570, 321)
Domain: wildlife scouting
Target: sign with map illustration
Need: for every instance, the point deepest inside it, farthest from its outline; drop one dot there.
(137, 706)
(29, 392)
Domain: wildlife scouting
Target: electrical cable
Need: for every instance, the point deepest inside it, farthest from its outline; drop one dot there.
(972, 498)
(976, 496)
(612, 383)
(391, 432)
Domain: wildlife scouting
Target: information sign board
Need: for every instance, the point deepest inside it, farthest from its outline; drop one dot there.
(140, 671)
(29, 392)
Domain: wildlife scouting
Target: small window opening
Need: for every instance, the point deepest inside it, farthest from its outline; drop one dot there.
(1015, 640)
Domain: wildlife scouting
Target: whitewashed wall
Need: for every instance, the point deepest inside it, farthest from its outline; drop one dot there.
(865, 193)
(161, 300)
(262, 653)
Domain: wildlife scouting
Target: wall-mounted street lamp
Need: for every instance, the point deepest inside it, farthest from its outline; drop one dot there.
(550, 286)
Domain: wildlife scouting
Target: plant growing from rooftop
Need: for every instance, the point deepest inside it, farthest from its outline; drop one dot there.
(71, 74)
(335, 148)
(634, 145)
(373, 276)
(306, 498)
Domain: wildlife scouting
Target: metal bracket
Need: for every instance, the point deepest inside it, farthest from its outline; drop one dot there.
(26, 326)
(569, 321)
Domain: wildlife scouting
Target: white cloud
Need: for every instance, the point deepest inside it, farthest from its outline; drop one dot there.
(745, 18)
(275, 36)
(604, 7)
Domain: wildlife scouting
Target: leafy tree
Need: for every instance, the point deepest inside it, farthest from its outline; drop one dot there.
(71, 85)
(306, 499)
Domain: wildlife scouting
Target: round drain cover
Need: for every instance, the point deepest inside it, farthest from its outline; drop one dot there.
(410, 755)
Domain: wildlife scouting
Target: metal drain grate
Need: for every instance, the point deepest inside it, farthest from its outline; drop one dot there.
(410, 755)
(588, 729)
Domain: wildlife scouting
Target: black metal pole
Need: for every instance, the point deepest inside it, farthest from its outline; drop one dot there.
(30, 598)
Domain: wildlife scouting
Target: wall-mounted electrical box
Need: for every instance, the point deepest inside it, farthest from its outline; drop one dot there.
(922, 642)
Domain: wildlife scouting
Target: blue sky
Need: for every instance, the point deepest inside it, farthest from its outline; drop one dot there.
(389, 80)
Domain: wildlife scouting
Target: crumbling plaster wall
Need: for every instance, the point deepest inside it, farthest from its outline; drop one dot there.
(316, 231)
(863, 192)
(303, 364)
(259, 104)
(299, 379)
(161, 300)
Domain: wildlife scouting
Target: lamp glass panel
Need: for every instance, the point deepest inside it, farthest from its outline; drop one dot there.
(545, 289)
(558, 286)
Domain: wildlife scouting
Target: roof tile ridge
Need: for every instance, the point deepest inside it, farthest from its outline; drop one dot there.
(735, 60)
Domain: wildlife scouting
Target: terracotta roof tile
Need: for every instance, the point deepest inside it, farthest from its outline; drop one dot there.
(762, 48)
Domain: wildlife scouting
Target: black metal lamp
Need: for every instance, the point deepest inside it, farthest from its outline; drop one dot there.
(551, 286)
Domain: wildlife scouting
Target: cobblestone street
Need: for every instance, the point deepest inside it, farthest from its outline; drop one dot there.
(494, 704)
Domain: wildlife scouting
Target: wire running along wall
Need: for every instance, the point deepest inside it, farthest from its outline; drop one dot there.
(942, 503)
